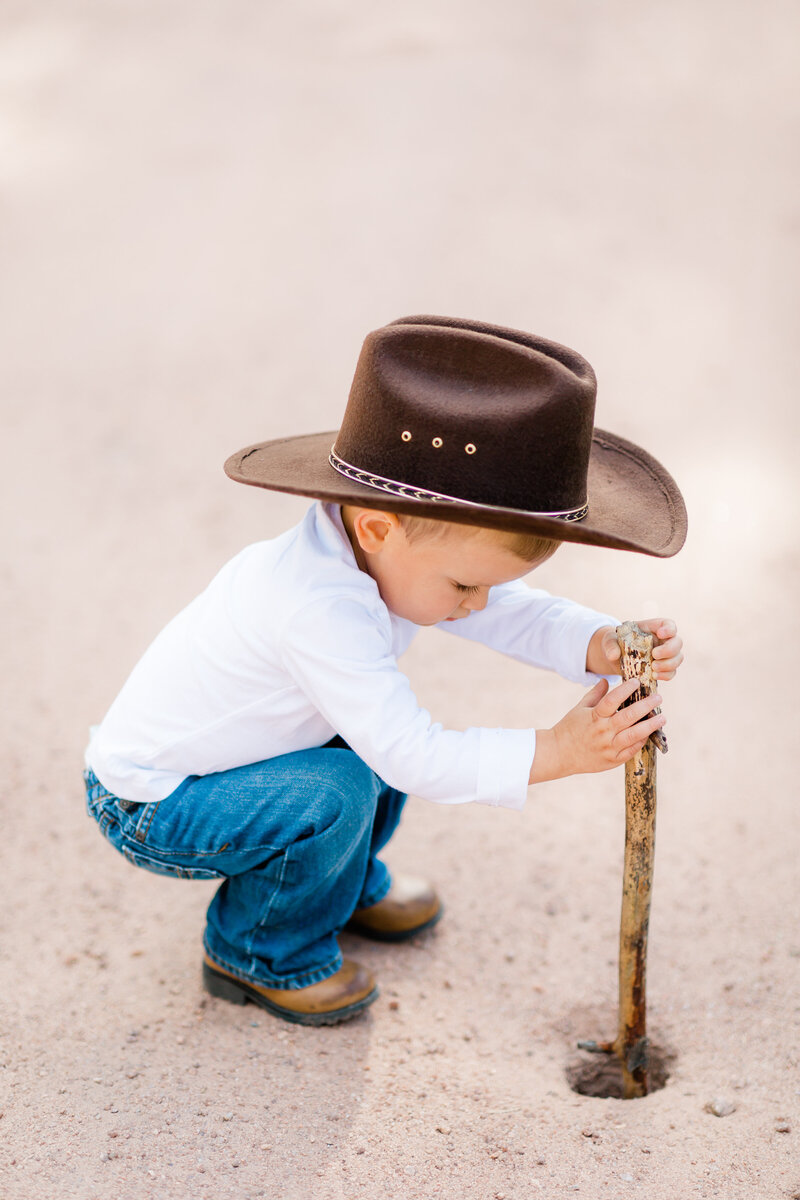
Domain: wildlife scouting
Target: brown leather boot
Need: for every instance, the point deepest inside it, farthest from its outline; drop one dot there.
(334, 999)
(410, 905)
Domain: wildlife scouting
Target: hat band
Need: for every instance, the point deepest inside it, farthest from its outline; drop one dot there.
(395, 488)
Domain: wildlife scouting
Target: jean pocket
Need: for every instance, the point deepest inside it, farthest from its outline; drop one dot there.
(151, 838)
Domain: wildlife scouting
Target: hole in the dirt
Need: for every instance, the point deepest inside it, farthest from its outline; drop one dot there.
(601, 1074)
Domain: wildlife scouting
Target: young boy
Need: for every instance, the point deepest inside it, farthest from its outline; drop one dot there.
(268, 738)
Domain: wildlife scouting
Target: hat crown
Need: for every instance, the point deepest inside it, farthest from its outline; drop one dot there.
(472, 411)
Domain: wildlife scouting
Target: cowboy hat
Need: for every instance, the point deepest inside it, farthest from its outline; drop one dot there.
(474, 423)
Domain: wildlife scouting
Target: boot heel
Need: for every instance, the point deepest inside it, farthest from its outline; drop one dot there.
(224, 989)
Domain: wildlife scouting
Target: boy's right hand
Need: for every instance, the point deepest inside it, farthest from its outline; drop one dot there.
(594, 736)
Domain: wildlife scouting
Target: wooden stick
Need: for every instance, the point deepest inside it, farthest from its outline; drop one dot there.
(640, 819)
(630, 1045)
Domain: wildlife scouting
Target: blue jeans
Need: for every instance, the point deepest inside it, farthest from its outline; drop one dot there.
(295, 840)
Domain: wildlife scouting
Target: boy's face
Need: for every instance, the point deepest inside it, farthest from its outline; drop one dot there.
(432, 579)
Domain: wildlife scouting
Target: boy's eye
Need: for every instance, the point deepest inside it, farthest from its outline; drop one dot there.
(466, 590)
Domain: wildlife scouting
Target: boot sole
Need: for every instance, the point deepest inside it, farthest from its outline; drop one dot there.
(236, 991)
(399, 935)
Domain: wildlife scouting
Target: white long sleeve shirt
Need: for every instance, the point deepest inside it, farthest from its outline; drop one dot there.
(291, 644)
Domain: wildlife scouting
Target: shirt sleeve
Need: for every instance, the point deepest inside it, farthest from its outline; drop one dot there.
(340, 655)
(536, 628)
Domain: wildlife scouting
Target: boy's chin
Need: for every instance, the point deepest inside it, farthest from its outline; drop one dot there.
(426, 620)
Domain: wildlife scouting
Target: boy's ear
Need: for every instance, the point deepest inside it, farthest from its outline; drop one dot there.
(372, 527)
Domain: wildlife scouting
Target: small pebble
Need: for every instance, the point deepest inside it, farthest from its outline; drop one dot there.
(783, 1127)
(227, 1116)
(720, 1107)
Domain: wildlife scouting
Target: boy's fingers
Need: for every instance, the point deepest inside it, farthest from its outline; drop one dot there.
(635, 736)
(592, 698)
(670, 649)
(667, 644)
(630, 753)
(616, 697)
(662, 627)
(666, 666)
(635, 712)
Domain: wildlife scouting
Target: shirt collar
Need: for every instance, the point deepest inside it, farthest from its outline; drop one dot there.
(332, 532)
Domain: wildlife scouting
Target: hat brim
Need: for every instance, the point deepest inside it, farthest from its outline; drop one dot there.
(634, 503)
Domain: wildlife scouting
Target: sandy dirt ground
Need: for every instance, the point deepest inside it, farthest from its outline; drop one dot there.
(203, 208)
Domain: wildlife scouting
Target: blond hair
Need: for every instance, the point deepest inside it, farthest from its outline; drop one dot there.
(530, 547)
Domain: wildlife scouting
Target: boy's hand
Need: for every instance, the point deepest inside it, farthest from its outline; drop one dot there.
(602, 655)
(594, 736)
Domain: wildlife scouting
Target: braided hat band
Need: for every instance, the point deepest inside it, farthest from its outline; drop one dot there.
(395, 488)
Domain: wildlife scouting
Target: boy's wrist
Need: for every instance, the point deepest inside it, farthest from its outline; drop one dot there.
(546, 759)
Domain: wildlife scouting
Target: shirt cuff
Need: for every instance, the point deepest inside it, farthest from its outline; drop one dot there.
(505, 757)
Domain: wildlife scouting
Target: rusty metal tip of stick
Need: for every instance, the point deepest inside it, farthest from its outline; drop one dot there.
(597, 1047)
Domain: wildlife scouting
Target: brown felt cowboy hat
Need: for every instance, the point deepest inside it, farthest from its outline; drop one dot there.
(468, 422)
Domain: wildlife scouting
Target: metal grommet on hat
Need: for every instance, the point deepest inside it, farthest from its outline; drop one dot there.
(470, 448)
(437, 442)
(406, 435)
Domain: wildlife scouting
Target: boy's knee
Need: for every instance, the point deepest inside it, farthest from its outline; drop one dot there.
(352, 788)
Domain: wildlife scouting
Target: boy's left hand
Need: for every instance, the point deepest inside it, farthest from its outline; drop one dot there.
(603, 653)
